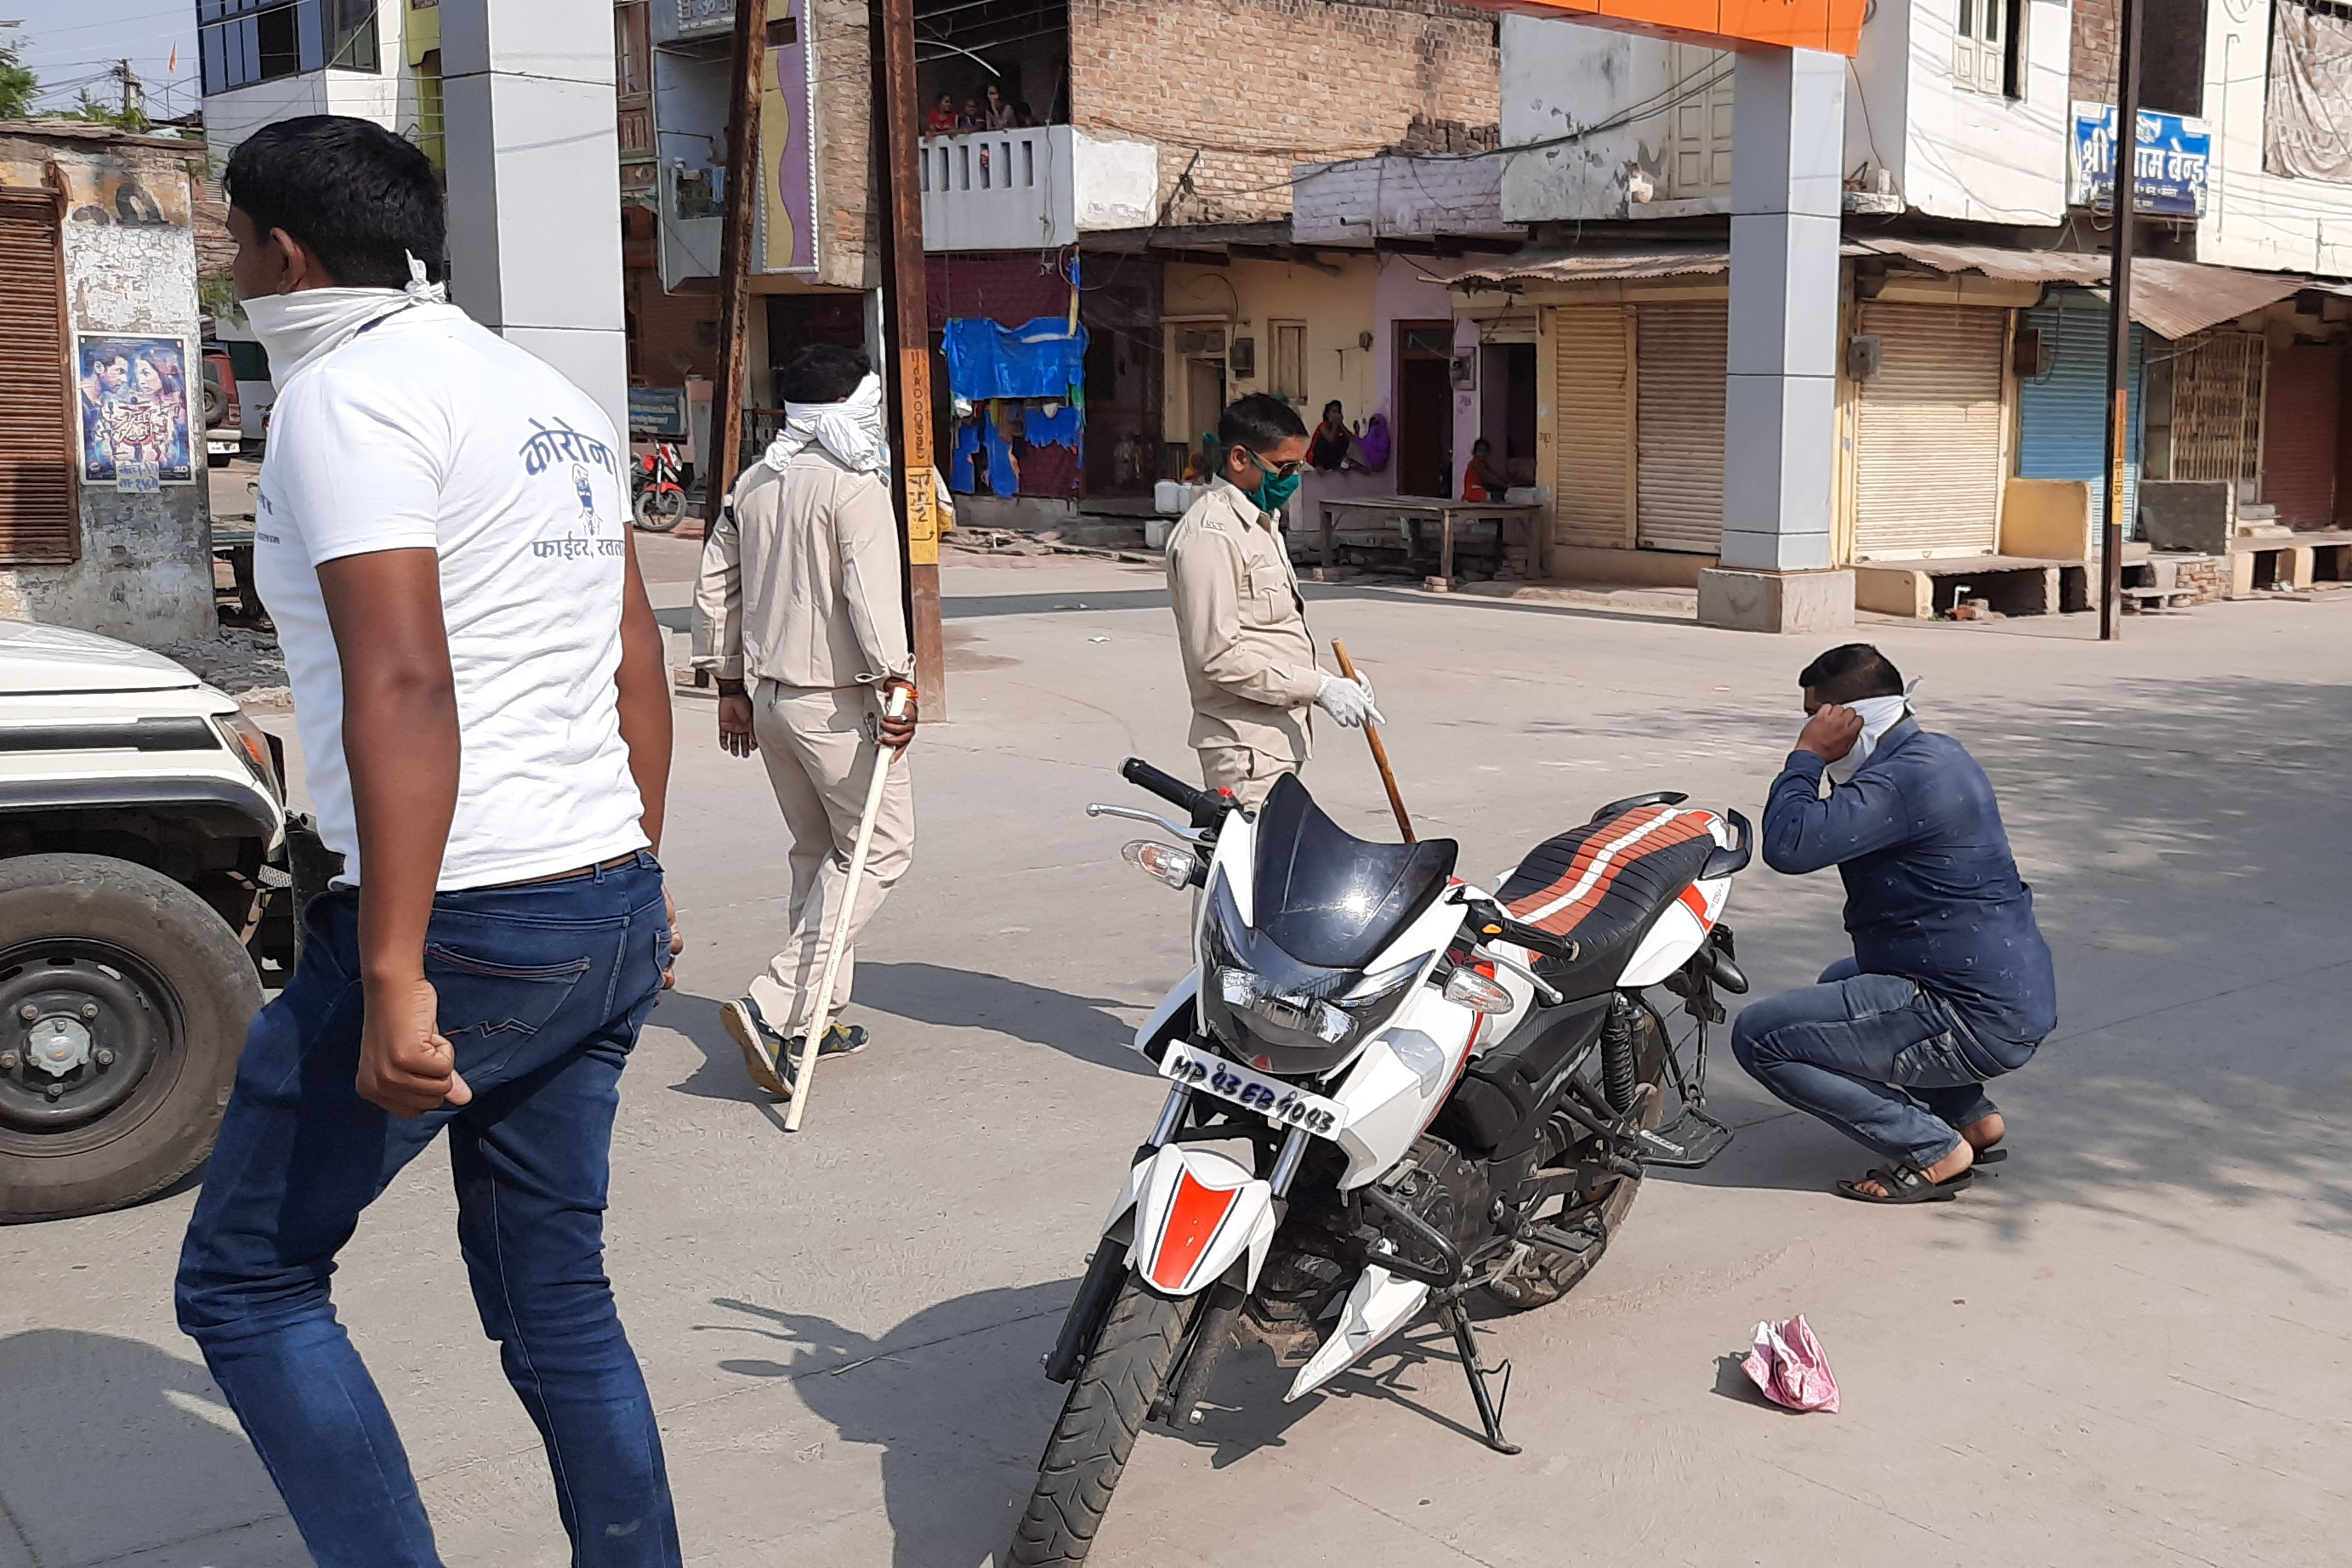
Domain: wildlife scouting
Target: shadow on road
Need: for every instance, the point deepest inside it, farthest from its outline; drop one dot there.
(1082, 1026)
(114, 1448)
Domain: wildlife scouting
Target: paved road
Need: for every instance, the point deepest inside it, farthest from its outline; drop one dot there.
(2123, 1350)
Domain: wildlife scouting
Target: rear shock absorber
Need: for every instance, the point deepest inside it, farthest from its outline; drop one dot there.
(1618, 1078)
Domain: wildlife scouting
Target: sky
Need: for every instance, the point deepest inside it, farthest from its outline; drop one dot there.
(74, 43)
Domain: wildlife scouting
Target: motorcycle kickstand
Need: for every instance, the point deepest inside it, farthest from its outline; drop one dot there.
(1490, 1407)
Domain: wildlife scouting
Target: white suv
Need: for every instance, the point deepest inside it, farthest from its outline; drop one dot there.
(144, 898)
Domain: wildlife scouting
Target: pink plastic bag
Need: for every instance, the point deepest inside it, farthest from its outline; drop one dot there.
(1788, 1365)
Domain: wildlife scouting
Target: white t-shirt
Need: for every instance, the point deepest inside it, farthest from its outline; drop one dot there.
(429, 432)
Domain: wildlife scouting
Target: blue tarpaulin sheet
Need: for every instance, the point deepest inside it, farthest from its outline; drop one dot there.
(1036, 359)
(1042, 429)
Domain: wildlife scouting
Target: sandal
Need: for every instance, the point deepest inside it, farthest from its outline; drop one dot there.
(1907, 1185)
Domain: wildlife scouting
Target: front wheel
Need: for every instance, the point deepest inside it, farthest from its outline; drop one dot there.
(1113, 1394)
(658, 511)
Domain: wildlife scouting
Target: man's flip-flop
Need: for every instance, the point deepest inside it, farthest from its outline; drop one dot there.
(1903, 1184)
(1992, 1156)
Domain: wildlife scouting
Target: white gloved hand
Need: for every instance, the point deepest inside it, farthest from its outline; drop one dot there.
(1349, 702)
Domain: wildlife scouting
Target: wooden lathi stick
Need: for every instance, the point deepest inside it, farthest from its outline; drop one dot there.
(1380, 752)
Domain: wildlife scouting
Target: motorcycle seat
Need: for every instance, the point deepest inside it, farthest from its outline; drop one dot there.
(1603, 885)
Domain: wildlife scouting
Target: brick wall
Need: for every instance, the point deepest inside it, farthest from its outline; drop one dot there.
(1236, 92)
(2171, 53)
(2091, 63)
(848, 252)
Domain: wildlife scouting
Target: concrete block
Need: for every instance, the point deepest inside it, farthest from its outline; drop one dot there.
(1894, 591)
(1801, 602)
(1638, 568)
(2046, 520)
(2187, 514)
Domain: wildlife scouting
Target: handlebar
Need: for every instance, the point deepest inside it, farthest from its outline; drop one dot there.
(1207, 808)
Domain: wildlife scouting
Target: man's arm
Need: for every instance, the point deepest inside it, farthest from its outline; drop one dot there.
(401, 746)
(1205, 581)
(865, 534)
(718, 627)
(644, 685)
(1805, 832)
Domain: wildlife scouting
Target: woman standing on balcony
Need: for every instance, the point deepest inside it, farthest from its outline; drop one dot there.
(999, 114)
(942, 120)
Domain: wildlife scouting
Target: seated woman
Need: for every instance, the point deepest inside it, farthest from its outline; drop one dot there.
(1333, 440)
(1481, 480)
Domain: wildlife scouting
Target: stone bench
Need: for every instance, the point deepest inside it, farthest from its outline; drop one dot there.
(2265, 563)
(2012, 585)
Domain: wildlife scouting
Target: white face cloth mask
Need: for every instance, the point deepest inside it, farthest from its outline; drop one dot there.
(1879, 714)
(300, 329)
(851, 430)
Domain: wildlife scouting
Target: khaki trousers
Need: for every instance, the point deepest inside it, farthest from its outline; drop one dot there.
(821, 764)
(1244, 769)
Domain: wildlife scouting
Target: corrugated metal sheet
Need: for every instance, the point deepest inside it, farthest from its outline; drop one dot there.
(1991, 260)
(1928, 452)
(1695, 262)
(2062, 416)
(2217, 407)
(1592, 424)
(2172, 299)
(40, 519)
(1678, 427)
(2299, 436)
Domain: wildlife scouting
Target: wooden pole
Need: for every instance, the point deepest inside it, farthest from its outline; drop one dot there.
(725, 459)
(1379, 749)
(906, 334)
(2119, 333)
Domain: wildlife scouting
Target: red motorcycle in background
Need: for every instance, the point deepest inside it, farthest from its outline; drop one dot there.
(660, 498)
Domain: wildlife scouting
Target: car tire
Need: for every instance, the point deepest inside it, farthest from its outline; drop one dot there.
(124, 967)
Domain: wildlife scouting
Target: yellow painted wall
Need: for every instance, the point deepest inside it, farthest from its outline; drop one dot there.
(1336, 307)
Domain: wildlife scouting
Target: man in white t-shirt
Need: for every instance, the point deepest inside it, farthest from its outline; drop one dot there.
(442, 538)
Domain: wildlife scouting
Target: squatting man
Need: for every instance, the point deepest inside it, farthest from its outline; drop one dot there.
(1950, 984)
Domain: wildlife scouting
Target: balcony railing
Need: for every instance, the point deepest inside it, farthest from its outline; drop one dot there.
(1034, 188)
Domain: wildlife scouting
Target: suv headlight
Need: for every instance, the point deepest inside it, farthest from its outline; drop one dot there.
(248, 741)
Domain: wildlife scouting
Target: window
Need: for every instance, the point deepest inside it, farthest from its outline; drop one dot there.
(1288, 380)
(241, 42)
(1988, 52)
(40, 519)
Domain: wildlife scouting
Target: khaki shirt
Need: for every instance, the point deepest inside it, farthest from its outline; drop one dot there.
(800, 579)
(1242, 628)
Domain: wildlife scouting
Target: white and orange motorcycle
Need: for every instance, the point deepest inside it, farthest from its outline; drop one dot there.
(1388, 1088)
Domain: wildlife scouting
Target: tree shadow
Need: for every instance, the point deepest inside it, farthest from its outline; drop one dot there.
(115, 1447)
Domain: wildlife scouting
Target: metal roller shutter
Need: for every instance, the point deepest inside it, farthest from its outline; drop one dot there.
(1929, 446)
(39, 518)
(1680, 426)
(1592, 425)
(2062, 416)
(2299, 438)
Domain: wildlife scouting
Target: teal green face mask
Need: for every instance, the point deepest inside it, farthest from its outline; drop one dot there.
(1275, 488)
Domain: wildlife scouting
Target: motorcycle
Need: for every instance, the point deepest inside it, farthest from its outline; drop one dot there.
(1437, 1090)
(659, 502)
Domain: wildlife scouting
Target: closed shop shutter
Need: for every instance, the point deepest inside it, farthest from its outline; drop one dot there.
(2299, 439)
(2063, 416)
(1928, 438)
(1592, 425)
(1679, 425)
(2217, 407)
(39, 518)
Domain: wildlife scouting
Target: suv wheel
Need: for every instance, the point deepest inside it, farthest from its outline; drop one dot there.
(125, 1001)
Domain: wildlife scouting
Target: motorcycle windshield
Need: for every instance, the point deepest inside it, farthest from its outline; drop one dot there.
(1332, 900)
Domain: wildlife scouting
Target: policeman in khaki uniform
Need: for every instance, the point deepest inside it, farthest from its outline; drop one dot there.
(798, 614)
(1249, 663)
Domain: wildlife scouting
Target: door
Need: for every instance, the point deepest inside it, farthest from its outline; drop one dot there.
(2299, 439)
(2217, 409)
(1592, 473)
(40, 515)
(1204, 396)
(1678, 422)
(1929, 464)
(1424, 404)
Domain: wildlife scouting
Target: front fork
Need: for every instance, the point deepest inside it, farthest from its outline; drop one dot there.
(1107, 1269)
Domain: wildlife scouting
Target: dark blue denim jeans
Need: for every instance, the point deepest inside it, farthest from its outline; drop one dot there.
(1876, 1057)
(543, 990)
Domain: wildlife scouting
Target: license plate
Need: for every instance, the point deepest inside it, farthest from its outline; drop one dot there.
(1285, 1105)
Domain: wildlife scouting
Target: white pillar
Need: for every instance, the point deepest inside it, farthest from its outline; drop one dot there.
(1780, 395)
(535, 183)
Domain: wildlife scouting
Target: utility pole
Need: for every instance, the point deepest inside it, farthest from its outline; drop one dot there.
(134, 93)
(744, 186)
(2119, 332)
(907, 334)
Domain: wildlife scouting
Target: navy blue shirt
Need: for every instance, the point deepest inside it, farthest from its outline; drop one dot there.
(1931, 891)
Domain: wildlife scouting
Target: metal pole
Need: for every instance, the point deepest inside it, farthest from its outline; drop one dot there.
(2119, 335)
(907, 334)
(750, 61)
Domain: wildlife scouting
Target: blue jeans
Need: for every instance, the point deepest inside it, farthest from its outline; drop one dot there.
(543, 990)
(1878, 1057)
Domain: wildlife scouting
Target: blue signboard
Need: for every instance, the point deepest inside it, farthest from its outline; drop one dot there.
(657, 411)
(2174, 152)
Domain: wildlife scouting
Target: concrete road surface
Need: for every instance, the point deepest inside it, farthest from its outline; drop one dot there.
(2126, 1349)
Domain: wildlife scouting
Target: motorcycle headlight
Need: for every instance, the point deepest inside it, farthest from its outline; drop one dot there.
(1286, 1015)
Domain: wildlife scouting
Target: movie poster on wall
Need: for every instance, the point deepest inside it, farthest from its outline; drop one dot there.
(134, 401)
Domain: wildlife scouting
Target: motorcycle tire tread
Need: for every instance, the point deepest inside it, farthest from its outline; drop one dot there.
(1105, 1410)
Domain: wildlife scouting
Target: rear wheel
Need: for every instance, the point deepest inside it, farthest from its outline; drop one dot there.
(1545, 1276)
(125, 1001)
(1107, 1404)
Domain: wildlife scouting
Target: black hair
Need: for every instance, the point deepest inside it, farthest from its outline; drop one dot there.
(1259, 421)
(358, 197)
(1335, 403)
(1481, 441)
(1850, 673)
(822, 373)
